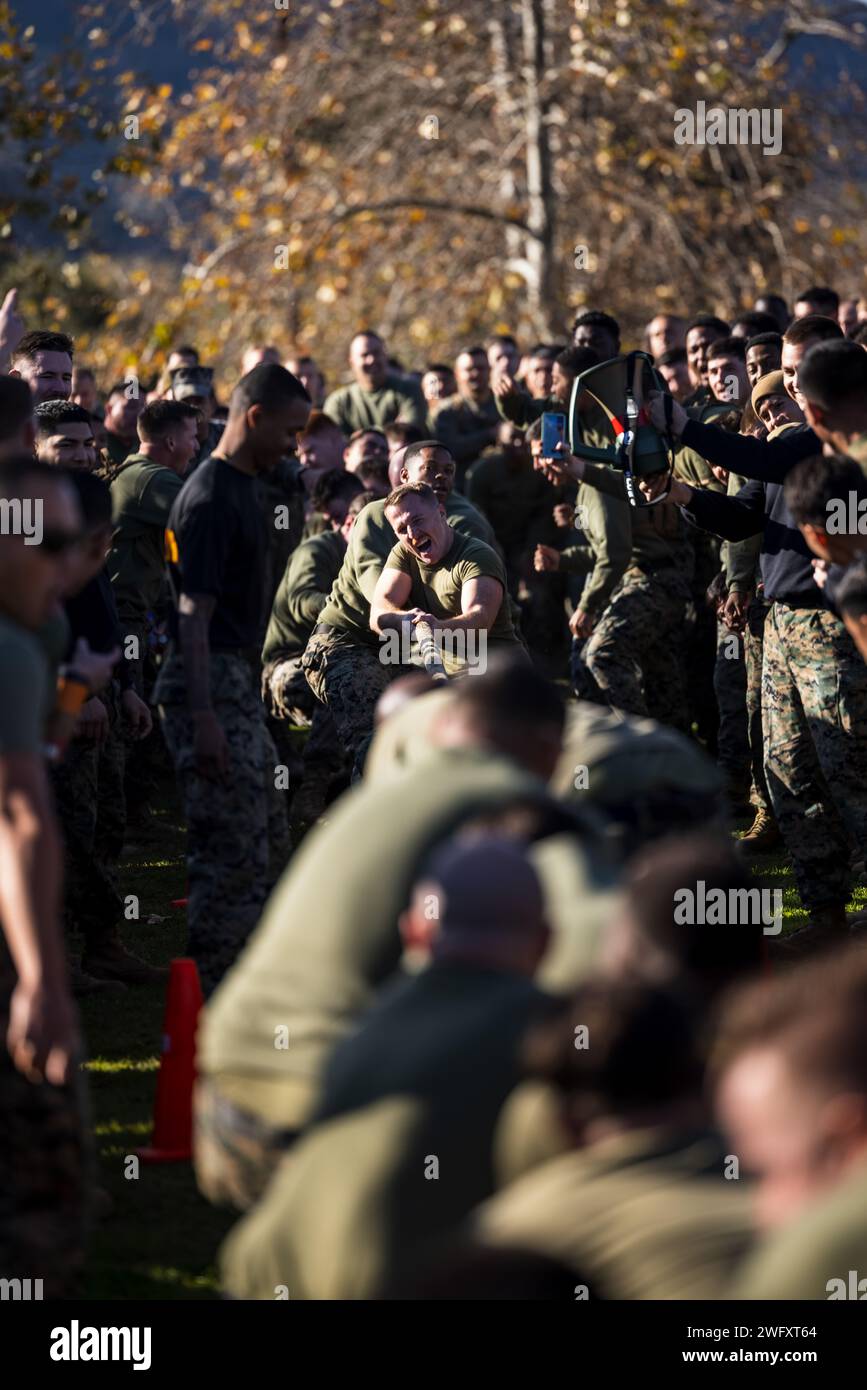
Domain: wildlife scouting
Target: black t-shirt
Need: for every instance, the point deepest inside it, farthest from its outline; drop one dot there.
(216, 545)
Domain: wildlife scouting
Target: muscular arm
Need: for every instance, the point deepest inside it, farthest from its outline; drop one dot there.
(388, 605)
(194, 616)
(481, 600)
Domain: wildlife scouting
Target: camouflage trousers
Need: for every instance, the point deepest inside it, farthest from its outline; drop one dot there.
(289, 698)
(633, 662)
(45, 1169)
(91, 808)
(235, 1151)
(753, 645)
(730, 688)
(814, 708)
(349, 678)
(237, 828)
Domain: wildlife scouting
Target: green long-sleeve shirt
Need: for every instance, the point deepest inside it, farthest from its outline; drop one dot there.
(659, 536)
(608, 527)
(302, 594)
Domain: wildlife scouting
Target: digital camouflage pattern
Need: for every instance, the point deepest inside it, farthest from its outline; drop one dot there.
(237, 829)
(634, 658)
(814, 708)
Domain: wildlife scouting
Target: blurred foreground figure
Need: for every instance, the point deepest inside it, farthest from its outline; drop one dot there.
(402, 1142)
(42, 1141)
(640, 1206)
(792, 1096)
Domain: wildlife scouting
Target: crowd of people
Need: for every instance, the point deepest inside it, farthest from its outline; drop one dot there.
(466, 731)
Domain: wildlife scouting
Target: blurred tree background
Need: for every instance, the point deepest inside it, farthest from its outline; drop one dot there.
(433, 169)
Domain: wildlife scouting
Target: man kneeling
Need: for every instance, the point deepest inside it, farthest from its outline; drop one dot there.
(434, 575)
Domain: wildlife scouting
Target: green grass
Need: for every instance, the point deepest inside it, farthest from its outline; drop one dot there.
(159, 1238)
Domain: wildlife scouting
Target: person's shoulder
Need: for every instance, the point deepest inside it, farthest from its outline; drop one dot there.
(370, 519)
(466, 548)
(148, 474)
(399, 556)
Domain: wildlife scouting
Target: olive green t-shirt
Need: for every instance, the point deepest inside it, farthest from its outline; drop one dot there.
(348, 605)
(302, 595)
(24, 682)
(142, 495)
(437, 589)
(353, 408)
(371, 541)
(857, 450)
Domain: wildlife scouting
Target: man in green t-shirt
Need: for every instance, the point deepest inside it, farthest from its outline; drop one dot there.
(377, 396)
(43, 1154)
(142, 496)
(467, 423)
(433, 575)
(343, 660)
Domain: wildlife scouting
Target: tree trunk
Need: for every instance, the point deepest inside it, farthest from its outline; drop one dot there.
(543, 304)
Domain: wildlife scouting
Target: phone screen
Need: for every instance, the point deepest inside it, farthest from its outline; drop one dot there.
(553, 433)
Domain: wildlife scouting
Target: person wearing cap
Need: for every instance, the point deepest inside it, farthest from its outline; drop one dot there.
(410, 1102)
(195, 386)
(775, 412)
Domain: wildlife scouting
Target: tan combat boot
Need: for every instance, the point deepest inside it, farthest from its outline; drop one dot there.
(764, 833)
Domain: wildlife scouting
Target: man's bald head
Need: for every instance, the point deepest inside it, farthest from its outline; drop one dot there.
(480, 901)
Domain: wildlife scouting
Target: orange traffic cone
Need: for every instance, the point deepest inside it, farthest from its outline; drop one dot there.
(173, 1114)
